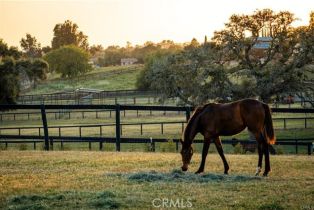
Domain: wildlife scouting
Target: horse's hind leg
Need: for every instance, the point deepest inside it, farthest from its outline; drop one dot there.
(204, 155)
(262, 150)
(259, 140)
(221, 153)
(266, 153)
(260, 158)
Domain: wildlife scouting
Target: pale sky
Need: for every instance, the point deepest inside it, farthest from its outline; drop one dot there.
(114, 22)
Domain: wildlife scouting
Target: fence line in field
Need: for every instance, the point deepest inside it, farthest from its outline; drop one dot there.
(68, 114)
(152, 141)
(83, 96)
(140, 124)
(118, 108)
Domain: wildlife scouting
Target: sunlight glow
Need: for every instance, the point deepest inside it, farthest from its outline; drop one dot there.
(114, 22)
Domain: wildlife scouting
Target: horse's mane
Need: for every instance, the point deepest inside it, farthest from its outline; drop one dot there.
(192, 120)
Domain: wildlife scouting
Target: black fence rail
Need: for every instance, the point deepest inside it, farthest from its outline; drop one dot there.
(86, 95)
(118, 108)
(79, 128)
(72, 114)
(139, 125)
(11, 139)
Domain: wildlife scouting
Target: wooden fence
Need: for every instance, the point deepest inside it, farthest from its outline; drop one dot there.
(118, 108)
(83, 96)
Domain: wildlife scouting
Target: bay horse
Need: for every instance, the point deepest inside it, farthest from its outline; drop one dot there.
(213, 120)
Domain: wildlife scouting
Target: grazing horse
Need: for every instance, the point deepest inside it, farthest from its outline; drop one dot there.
(213, 120)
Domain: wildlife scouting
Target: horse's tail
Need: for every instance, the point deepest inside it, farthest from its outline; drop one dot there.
(268, 126)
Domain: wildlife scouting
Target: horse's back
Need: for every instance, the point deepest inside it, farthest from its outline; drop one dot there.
(231, 118)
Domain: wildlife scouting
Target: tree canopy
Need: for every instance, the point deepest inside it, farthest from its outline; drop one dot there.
(30, 46)
(70, 61)
(5, 50)
(9, 84)
(36, 69)
(259, 55)
(67, 33)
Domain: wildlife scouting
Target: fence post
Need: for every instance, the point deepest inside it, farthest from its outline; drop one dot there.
(118, 129)
(187, 113)
(51, 142)
(296, 146)
(152, 144)
(309, 148)
(177, 146)
(100, 145)
(44, 119)
(141, 128)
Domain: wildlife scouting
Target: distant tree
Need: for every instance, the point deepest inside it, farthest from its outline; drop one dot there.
(70, 61)
(36, 69)
(93, 50)
(193, 45)
(274, 69)
(30, 46)
(9, 51)
(46, 49)
(112, 56)
(9, 81)
(191, 75)
(67, 33)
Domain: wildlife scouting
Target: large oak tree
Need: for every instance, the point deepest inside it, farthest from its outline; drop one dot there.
(67, 33)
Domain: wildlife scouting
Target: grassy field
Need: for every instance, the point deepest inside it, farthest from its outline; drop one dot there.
(103, 180)
(106, 78)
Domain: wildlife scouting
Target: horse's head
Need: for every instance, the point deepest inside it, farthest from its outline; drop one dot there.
(186, 154)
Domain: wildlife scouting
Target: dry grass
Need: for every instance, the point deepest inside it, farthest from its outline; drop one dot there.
(48, 180)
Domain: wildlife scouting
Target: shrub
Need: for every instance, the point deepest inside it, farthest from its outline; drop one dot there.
(238, 149)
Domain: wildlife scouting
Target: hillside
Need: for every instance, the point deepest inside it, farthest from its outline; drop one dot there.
(106, 78)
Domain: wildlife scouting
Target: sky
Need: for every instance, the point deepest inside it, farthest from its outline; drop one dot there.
(116, 22)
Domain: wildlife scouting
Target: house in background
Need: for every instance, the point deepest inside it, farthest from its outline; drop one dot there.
(128, 61)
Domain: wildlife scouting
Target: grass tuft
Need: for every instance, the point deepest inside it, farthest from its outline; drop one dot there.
(272, 206)
(179, 176)
(106, 199)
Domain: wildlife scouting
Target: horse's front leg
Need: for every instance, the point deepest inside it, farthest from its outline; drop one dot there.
(221, 153)
(204, 155)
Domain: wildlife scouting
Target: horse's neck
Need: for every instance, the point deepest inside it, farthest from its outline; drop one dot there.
(187, 143)
(189, 137)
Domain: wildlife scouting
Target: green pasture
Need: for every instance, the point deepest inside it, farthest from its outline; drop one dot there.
(138, 180)
(106, 78)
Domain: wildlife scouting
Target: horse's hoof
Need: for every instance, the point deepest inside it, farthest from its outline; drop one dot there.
(198, 172)
(265, 174)
(258, 171)
(226, 172)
